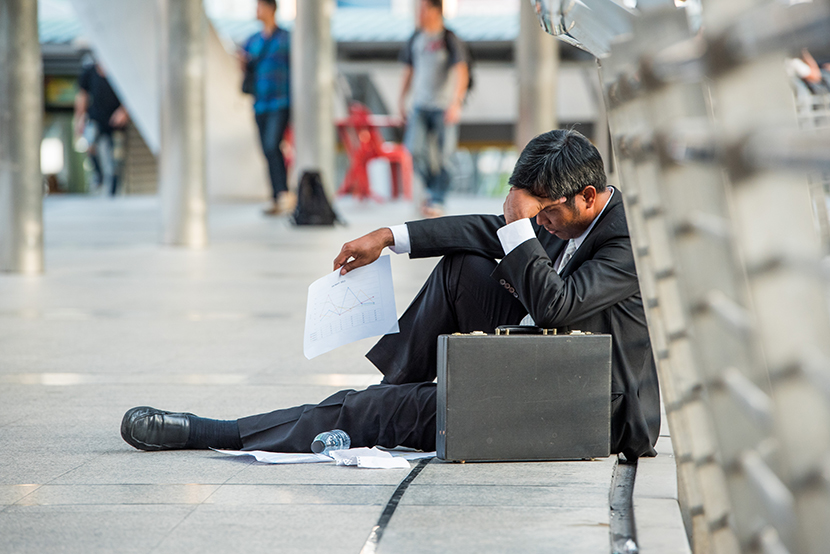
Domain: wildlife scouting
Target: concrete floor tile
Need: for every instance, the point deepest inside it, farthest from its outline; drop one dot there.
(562, 496)
(79, 495)
(313, 474)
(660, 527)
(9, 494)
(38, 467)
(476, 529)
(253, 495)
(87, 529)
(656, 478)
(519, 473)
(153, 468)
(284, 529)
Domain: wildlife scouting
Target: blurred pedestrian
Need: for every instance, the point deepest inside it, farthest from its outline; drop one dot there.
(814, 76)
(101, 119)
(436, 74)
(265, 60)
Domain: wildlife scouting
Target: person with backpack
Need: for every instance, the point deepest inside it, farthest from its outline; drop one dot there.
(265, 60)
(435, 78)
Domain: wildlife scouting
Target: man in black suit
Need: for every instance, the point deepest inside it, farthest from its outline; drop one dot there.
(571, 267)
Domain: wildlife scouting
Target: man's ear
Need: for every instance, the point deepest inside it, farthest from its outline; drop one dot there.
(589, 194)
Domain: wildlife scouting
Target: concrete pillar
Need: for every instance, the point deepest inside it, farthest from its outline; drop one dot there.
(21, 126)
(312, 89)
(537, 65)
(182, 63)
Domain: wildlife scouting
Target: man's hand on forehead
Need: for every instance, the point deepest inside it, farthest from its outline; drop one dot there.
(522, 204)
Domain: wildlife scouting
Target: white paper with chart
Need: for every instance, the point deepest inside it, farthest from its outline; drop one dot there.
(345, 308)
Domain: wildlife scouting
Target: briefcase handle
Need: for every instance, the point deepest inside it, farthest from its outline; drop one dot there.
(508, 330)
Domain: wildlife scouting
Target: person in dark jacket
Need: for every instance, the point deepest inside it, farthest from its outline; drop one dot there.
(565, 261)
(100, 117)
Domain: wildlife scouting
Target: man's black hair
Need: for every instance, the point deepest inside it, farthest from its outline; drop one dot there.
(270, 3)
(559, 163)
(436, 4)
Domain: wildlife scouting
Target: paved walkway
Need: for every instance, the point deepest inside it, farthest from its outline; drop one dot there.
(118, 320)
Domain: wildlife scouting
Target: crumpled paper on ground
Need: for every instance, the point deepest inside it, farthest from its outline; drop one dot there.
(368, 458)
(278, 457)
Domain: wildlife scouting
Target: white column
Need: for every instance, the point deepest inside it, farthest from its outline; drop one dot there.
(182, 154)
(312, 89)
(21, 123)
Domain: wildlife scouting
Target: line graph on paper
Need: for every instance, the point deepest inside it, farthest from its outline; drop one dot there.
(345, 308)
(351, 300)
(349, 303)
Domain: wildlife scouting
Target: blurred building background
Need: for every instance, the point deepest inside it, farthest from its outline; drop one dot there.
(368, 35)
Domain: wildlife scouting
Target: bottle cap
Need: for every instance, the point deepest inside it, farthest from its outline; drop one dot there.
(318, 446)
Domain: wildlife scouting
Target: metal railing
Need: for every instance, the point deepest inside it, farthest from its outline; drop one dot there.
(813, 111)
(714, 171)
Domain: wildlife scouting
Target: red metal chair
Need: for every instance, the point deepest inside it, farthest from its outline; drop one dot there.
(361, 138)
(288, 149)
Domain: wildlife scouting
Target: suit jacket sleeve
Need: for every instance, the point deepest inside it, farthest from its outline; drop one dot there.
(462, 233)
(604, 275)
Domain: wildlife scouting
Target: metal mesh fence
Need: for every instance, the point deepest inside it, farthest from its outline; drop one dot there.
(715, 169)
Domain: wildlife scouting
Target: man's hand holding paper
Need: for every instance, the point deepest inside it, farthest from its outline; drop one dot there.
(363, 250)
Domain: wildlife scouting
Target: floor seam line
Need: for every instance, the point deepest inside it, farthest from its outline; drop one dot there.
(372, 542)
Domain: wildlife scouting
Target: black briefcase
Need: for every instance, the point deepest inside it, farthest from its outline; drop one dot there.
(521, 397)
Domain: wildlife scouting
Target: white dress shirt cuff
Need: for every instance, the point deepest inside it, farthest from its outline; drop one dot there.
(514, 234)
(401, 234)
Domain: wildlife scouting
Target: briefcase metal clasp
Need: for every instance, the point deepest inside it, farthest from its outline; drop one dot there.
(507, 330)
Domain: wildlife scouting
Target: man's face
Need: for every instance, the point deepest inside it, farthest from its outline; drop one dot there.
(426, 12)
(564, 221)
(264, 12)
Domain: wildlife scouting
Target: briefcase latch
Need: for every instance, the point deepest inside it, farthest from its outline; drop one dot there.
(507, 330)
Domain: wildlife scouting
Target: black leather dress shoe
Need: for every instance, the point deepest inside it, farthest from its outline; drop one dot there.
(147, 428)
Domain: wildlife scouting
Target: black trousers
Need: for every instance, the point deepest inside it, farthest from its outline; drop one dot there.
(459, 296)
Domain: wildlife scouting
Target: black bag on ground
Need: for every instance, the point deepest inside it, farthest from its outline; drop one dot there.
(313, 206)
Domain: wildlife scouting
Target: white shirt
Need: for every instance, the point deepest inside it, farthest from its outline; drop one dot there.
(510, 236)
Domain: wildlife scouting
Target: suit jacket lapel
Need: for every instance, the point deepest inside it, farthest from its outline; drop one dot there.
(587, 245)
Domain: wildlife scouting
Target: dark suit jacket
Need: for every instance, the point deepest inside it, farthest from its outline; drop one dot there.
(598, 291)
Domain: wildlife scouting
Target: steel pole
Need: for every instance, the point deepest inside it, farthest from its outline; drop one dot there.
(537, 64)
(182, 154)
(312, 89)
(21, 123)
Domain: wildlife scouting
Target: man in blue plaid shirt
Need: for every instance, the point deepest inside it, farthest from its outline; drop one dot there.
(268, 53)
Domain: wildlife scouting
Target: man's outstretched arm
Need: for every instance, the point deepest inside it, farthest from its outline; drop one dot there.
(436, 237)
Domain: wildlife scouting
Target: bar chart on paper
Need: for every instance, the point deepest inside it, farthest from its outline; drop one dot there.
(345, 308)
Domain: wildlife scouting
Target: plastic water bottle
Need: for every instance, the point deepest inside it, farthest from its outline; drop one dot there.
(331, 440)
